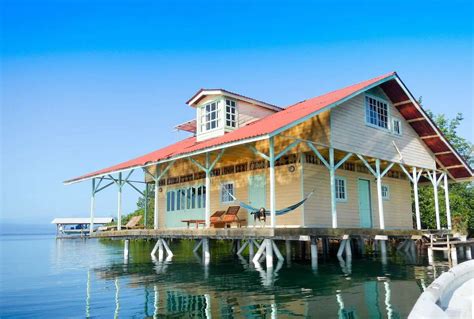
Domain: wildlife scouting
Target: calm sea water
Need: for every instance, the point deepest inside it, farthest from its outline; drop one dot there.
(42, 277)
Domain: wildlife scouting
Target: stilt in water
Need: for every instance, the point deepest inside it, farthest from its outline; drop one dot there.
(126, 249)
(314, 253)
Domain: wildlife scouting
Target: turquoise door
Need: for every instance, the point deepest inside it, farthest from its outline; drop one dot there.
(257, 193)
(365, 209)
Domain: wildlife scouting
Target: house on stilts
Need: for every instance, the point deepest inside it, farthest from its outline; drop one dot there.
(348, 159)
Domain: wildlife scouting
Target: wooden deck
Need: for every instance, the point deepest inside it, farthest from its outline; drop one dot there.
(255, 233)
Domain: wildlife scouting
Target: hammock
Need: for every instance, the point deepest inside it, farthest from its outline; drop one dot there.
(278, 212)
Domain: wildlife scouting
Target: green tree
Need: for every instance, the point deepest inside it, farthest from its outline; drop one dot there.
(461, 195)
(141, 209)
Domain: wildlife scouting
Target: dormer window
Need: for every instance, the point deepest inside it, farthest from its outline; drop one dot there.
(210, 117)
(230, 113)
(376, 112)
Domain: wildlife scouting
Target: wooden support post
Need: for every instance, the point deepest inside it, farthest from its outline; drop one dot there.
(126, 249)
(314, 253)
(272, 184)
(91, 226)
(348, 248)
(434, 181)
(446, 196)
(383, 251)
(167, 248)
(242, 248)
(119, 203)
(259, 253)
(288, 250)
(268, 253)
(342, 245)
(145, 209)
(332, 182)
(430, 255)
(206, 253)
(251, 249)
(208, 192)
(156, 224)
(379, 194)
(454, 255)
(197, 245)
(415, 178)
(468, 252)
(277, 251)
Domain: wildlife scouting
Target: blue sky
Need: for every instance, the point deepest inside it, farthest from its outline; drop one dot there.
(87, 84)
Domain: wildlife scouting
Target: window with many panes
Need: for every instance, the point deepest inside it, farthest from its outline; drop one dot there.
(341, 189)
(227, 192)
(210, 116)
(385, 192)
(376, 112)
(230, 113)
(186, 198)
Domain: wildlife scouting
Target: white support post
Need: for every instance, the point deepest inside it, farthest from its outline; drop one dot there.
(251, 248)
(208, 193)
(269, 253)
(446, 196)
(415, 179)
(379, 194)
(272, 183)
(314, 253)
(126, 249)
(434, 181)
(342, 245)
(119, 203)
(277, 251)
(332, 178)
(259, 253)
(206, 254)
(348, 248)
(91, 226)
(156, 223)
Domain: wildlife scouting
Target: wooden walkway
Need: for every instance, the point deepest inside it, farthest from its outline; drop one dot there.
(255, 233)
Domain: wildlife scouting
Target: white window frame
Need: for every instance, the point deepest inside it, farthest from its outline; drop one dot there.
(227, 199)
(183, 191)
(230, 114)
(344, 180)
(203, 121)
(386, 196)
(366, 106)
(396, 119)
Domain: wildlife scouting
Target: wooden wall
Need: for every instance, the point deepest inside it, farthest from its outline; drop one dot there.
(350, 132)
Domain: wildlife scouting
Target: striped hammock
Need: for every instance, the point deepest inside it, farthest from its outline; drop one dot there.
(278, 212)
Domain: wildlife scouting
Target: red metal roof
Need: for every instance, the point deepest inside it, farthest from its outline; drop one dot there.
(276, 122)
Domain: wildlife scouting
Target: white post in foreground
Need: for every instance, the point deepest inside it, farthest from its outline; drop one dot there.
(208, 192)
(91, 226)
(417, 201)
(434, 181)
(379, 194)
(272, 184)
(119, 203)
(446, 196)
(156, 223)
(332, 180)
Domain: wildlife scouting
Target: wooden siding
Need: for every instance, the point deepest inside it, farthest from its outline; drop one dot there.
(350, 132)
(317, 210)
(287, 188)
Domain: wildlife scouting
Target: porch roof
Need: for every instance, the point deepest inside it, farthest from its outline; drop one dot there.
(297, 113)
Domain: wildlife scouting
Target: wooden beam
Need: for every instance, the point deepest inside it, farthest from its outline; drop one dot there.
(402, 102)
(428, 136)
(416, 120)
(454, 166)
(443, 153)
